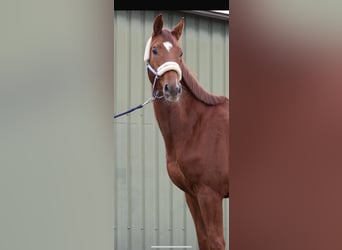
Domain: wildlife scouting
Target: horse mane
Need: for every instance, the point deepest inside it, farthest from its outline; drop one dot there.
(197, 90)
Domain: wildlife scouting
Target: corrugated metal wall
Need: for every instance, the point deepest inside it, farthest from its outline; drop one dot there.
(149, 209)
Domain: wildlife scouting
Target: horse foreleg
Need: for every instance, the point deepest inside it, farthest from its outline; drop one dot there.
(210, 204)
(195, 211)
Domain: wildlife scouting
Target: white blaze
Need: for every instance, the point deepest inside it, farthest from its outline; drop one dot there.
(168, 45)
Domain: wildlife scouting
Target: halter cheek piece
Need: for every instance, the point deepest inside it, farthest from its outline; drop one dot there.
(167, 66)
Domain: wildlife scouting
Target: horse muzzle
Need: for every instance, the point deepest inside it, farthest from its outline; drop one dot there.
(172, 91)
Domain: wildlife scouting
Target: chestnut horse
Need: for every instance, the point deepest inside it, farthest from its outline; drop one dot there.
(194, 126)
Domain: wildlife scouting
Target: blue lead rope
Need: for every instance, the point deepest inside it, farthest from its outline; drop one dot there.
(129, 111)
(151, 99)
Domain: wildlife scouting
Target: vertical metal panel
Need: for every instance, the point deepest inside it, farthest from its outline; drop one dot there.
(149, 209)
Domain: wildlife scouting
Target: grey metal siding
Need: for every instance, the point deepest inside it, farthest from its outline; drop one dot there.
(149, 209)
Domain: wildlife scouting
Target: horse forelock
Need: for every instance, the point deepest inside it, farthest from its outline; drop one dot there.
(198, 91)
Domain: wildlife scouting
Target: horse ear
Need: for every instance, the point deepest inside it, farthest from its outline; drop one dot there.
(178, 29)
(157, 25)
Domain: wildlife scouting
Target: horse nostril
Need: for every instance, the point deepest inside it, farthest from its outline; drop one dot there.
(166, 88)
(179, 89)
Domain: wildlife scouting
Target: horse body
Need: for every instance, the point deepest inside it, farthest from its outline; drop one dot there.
(194, 126)
(195, 158)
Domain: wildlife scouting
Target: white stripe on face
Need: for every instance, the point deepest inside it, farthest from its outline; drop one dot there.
(168, 45)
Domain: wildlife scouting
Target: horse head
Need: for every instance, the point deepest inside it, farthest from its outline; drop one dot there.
(163, 56)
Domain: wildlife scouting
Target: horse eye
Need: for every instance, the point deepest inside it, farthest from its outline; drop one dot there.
(181, 54)
(155, 51)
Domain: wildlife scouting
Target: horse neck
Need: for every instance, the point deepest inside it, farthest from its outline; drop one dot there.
(176, 120)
